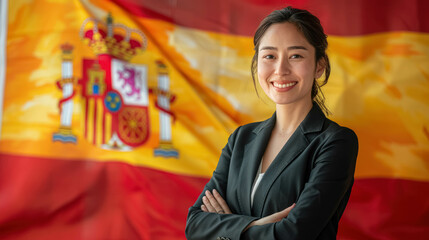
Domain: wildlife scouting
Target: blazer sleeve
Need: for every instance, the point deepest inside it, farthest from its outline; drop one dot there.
(205, 226)
(330, 180)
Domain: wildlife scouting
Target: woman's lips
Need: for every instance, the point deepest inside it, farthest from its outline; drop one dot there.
(284, 85)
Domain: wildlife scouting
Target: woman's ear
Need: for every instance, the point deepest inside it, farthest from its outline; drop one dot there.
(320, 68)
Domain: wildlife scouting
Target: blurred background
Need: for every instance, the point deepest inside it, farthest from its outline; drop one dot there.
(114, 112)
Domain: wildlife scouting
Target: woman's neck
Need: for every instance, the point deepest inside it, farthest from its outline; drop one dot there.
(289, 116)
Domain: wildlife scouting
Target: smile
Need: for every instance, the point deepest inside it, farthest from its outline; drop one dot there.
(284, 85)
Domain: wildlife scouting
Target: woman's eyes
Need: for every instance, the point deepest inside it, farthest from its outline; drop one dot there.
(294, 56)
(269, 56)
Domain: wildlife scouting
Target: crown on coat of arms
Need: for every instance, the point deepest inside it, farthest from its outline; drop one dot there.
(106, 38)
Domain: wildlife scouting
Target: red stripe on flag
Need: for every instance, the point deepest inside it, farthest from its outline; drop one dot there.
(386, 209)
(47, 199)
(242, 17)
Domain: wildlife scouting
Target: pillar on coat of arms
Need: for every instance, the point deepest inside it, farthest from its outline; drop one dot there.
(164, 97)
(65, 105)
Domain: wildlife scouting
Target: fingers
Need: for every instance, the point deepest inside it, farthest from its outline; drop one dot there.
(278, 216)
(288, 209)
(214, 203)
(284, 213)
(208, 205)
(221, 202)
(275, 217)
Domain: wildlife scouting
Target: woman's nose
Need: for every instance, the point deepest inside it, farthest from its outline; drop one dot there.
(282, 66)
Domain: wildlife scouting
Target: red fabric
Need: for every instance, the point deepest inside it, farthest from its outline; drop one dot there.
(47, 199)
(347, 18)
(386, 209)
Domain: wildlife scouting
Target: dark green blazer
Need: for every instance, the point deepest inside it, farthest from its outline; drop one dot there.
(314, 169)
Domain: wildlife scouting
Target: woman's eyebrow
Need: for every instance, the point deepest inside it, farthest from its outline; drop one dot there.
(289, 48)
(267, 48)
(297, 47)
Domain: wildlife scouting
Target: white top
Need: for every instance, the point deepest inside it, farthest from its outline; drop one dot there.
(258, 179)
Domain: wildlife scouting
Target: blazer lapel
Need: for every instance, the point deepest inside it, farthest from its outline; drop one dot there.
(253, 152)
(293, 147)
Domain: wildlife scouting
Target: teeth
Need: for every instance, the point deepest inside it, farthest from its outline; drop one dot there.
(285, 85)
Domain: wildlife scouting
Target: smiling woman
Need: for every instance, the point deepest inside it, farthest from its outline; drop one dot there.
(288, 177)
(302, 33)
(286, 65)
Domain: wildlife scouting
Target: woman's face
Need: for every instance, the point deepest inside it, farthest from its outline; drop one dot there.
(286, 65)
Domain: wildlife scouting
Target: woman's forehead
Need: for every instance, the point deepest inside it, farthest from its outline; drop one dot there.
(284, 35)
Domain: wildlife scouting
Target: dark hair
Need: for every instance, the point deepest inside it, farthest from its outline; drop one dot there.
(309, 25)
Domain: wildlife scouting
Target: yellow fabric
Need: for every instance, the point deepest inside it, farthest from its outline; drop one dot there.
(379, 87)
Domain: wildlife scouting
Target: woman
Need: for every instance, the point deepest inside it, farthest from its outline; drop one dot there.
(288, 177)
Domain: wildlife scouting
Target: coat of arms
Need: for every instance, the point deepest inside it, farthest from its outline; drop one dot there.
(115, 93)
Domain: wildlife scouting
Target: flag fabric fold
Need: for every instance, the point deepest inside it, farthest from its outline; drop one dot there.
(115, 111)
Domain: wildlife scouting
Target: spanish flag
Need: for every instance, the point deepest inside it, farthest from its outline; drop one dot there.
(114, 112)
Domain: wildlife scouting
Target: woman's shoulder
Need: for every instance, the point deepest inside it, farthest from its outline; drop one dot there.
(335, 131)
(316, 126)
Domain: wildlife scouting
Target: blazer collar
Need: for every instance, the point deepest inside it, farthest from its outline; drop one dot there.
(267, 124)
(254, 150)
(314, 120)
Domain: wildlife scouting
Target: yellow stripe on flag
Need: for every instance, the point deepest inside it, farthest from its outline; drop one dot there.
(379, 87)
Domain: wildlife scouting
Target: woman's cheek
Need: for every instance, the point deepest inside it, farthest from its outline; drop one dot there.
(262, 73)
(263, 83)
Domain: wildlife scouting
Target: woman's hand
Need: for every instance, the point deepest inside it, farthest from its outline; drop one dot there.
(214, 203)
(275, 217)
